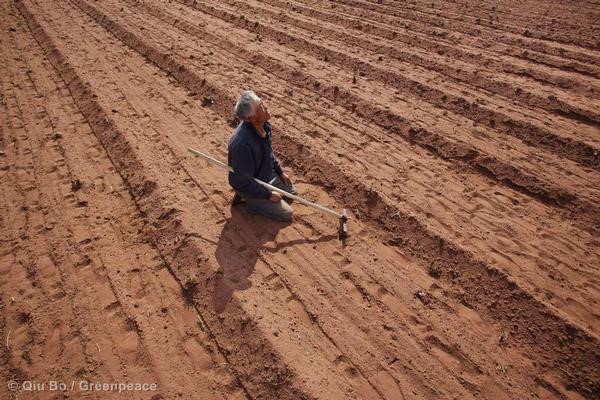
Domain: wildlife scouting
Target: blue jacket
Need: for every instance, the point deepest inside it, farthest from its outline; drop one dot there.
(250, 156)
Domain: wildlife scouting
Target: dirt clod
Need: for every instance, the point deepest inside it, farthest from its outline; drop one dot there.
(76, 184)
(207, 101)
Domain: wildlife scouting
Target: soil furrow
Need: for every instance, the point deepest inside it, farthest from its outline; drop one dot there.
(36, 258)
(384, 7)
(502, 299)
(546, 51)
(545, 14)
(100, 256)
(394, 123)
(500, 252)
(547, 99)
(175, 49)
(530, 19)
(575, 150)
(253, 246)
(257, 364)
(125, 260)
(106, 257)
(345, 341)
(183, 242)
(441, 43)
(571, 249)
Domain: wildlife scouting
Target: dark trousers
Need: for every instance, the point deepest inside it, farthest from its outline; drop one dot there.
(281, 211)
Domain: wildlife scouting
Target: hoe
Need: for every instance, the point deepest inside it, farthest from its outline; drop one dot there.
(342, 217)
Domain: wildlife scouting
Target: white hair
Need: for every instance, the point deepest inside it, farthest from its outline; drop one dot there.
(244, 107)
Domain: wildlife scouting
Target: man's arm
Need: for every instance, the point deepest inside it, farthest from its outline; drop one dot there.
(276, 165)
(242, 162)
(279, 171)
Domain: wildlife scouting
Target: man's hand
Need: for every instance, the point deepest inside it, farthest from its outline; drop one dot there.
(285, 179)
(275, 197)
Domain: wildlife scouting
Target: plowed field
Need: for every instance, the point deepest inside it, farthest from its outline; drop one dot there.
(463, 137)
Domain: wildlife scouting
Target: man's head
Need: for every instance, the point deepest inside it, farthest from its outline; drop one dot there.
(250, 108)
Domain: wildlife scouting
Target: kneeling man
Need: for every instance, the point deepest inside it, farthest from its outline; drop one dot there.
(250, 154)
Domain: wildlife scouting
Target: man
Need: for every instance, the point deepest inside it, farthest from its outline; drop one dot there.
(251, 156)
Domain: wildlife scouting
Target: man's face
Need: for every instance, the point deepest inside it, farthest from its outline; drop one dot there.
(261, 113)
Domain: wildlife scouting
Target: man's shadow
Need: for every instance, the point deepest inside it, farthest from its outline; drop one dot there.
(237, 251)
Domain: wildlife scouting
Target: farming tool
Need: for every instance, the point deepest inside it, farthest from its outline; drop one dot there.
(342, 217)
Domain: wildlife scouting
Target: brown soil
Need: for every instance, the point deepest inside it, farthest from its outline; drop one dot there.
(463, 138)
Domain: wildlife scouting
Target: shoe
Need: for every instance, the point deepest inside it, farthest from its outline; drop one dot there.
(237, 199)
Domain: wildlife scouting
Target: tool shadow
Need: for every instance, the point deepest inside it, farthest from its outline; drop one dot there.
(241, 241)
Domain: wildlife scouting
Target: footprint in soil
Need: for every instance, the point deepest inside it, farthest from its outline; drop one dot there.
(241, 240)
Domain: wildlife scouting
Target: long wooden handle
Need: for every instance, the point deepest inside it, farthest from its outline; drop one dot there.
(268, 186)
